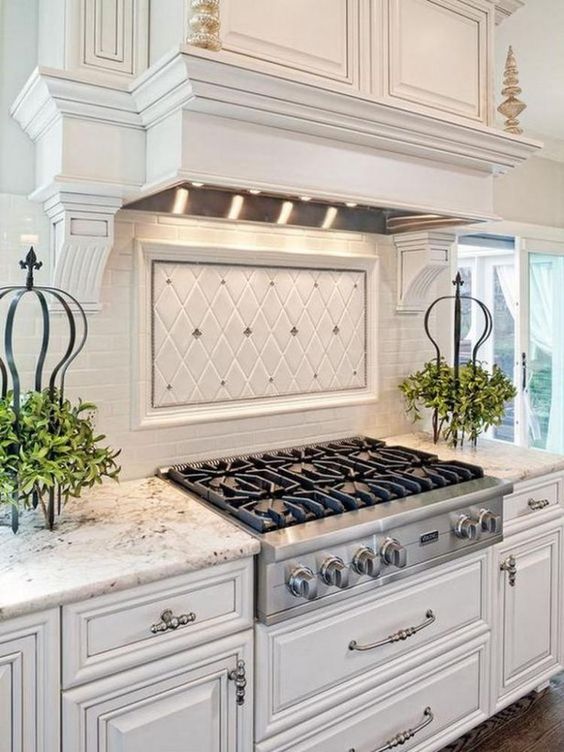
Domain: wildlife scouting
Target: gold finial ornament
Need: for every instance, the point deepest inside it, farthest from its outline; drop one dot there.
(205, 24)
(511, 107)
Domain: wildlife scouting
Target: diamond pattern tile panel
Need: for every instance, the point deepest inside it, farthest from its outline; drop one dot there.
(222, 333)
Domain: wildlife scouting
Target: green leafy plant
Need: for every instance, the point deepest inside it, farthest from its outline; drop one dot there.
(50, 445)
(462, 407)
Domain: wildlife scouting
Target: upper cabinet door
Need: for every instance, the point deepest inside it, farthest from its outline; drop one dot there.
(439, 55)
(317, 38)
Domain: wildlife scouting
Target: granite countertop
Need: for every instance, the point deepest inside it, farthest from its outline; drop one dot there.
(497, 458)
(115, 537)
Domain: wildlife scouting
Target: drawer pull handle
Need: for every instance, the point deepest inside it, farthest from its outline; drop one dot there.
(404, 736)
(399, 636)
(536, 504)
(171, 622)
(510, 566)
(239, 676)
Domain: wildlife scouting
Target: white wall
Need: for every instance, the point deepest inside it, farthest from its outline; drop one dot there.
(533, 193)
(103, 371)
(18, 58)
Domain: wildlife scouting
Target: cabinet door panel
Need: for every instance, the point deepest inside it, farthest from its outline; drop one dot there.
(183, 703)
(530, 614)
(317, 37)
(29, 683)
(446, 67)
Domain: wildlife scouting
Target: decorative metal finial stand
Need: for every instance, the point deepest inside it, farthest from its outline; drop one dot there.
(488, 326)
(511, 107)
(205, 25)
(55, 381)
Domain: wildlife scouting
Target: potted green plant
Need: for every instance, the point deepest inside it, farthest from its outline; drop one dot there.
(463, 403)
(50, 446)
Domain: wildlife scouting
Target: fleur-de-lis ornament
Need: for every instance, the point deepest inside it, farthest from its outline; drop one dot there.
(205, 24)
(512, 106)
(30, 263)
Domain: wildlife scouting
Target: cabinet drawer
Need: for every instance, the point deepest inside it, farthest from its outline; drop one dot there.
(300, 665)
(532, 499)
(450, 688)
(117, 631)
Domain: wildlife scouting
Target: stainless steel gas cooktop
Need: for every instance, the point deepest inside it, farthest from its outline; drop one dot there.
(339, 517)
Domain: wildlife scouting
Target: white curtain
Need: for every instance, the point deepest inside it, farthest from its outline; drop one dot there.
(508, 284)
(547, 334)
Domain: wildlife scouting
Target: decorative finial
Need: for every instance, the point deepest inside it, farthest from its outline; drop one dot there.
(511, 107)
(30, 264)
(458, 282)
(205, 25)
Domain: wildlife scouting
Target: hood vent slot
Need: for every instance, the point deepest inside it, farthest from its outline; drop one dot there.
(291, 211)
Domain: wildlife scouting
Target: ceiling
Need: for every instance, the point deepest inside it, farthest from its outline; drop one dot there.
(536, 32)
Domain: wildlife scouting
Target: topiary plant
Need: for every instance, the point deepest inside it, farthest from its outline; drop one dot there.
(462, 407)
(50, 446)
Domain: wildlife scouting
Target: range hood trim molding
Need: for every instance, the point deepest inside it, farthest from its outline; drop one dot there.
(102, 143)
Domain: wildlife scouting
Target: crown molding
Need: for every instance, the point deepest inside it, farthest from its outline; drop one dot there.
(506, 8)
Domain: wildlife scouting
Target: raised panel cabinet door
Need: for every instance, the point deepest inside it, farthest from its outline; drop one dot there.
(530, 582)
(186, 703)
(29, 688)
(316, 38)
(439, 56)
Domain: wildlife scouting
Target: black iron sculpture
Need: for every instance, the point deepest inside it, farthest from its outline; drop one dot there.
(458, 283)
(55, 381)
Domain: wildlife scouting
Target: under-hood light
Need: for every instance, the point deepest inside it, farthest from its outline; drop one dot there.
(180, 201)
(255, 191)
(197, 185)
(305, 198)
(351, 204)
(285, 212)
(330, 216)
(236, 206)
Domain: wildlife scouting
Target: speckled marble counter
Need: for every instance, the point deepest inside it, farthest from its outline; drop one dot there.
(501, 460)
(115, 537)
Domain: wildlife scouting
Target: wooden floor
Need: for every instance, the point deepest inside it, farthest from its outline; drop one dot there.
(533, 724)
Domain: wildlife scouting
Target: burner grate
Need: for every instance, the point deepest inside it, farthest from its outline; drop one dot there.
(279, 489)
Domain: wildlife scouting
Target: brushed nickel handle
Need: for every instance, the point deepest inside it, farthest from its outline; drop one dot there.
(536, 504)
(399, 636)
(170, 622)
(404, 736)
(510, 566)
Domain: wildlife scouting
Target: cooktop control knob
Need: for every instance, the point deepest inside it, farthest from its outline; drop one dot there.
(334, 571)
(393, 553)
(490, 522)
(366, 561)
(302, 583)
(467, 528)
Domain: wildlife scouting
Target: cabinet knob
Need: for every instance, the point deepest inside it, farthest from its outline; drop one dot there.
(510, 566)
(334, 571)
(302, 583)
(366, 561)
(393, 553)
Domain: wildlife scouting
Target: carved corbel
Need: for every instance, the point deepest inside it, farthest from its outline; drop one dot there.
(82, 234)
(422, 256)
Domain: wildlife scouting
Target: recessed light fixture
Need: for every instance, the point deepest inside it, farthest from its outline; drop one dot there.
(236, 206)
(180, 201)
(197, 185)
(329, 218)
(351, 204)
(305, 198)
(254, 191)
(285, 212)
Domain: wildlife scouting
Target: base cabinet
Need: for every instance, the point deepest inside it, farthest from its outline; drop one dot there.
(529, 611)
(29, 684)
(196, 701)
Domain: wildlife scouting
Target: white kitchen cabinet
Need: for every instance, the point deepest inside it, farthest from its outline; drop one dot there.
(29, 684)
(529, 611)
(438, 55)
(194, 701)
(436, 703)
(314, 42)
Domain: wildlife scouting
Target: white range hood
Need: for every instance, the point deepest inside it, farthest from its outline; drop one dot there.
(107, 137)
